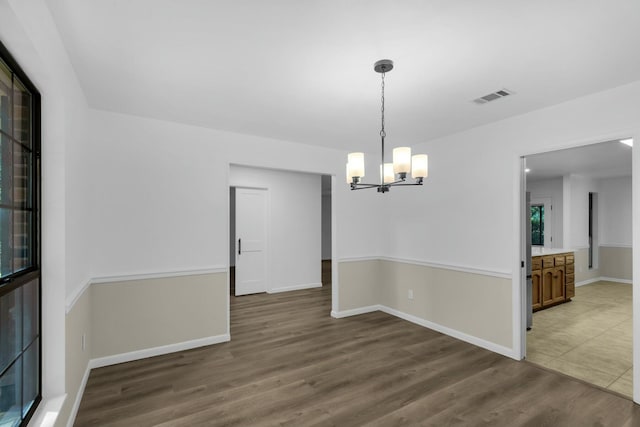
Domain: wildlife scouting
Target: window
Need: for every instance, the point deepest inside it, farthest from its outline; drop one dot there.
(20, 354)
(537, 225)
(593, 230)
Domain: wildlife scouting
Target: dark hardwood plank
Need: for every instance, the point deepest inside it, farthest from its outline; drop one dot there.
(289, 363)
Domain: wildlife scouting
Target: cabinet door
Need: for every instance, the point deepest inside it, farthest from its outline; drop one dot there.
(547, 281)
(558, 285)
(536, 289)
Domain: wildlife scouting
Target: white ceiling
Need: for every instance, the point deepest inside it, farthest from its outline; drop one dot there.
(302, 70)
(605, 160)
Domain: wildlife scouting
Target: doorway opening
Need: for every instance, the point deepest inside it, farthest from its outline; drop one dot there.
(297, 225)
(578, 291)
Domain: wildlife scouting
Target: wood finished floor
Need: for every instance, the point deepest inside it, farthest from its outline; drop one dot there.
(289, 363)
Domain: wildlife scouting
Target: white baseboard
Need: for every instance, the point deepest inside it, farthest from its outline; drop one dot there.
(294, 288)
(156, 351)
(588, 282)
(604, 279)
(613, 279)
(355, 311)
(496, 348)
(78, 399)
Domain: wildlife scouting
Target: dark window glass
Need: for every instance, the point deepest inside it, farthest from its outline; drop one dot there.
(537, 225)
(20, 352)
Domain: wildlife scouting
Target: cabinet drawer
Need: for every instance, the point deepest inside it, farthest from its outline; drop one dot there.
(569, 259)
(559, 260)
(570, 278)
(570, 268)
(536, 263)
(547, 261)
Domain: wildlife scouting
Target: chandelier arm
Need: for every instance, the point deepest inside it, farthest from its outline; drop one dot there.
(364, 186)
(400, 184)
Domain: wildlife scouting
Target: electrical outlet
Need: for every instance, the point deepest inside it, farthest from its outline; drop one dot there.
(84, 341)
(410, 294)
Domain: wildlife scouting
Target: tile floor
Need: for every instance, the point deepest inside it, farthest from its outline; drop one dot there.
(588, 338)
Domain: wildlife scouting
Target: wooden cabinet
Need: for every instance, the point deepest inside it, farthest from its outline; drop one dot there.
(552, 279)
(536, 289)
(547, 280)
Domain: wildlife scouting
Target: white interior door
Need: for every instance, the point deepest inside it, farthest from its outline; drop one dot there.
(251, 241)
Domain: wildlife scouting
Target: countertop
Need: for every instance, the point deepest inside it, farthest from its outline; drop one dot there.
(539, 251)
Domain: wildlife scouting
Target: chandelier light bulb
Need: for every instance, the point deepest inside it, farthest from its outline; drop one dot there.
(420, 166)
(401, 160)
(389, 176)
(355, 165)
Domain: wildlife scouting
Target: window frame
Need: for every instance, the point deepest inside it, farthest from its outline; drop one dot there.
(540, 207)
(19, 279)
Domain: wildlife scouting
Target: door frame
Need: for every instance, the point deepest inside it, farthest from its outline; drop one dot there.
(519, 273)
(335, 285)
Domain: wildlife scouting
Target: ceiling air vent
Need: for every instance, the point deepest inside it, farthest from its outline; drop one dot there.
(493, 96)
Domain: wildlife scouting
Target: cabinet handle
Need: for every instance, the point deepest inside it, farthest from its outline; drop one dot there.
(239, 246)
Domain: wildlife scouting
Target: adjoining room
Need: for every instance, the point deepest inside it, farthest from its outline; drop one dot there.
(581, 263)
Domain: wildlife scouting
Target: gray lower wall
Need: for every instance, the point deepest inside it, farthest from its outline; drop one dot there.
(359, 284)
(616, 262)
(474, 304)
(477, 305)
(136, 315)
(77, 323)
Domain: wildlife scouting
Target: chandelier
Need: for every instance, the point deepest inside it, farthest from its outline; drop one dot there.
(391, 174)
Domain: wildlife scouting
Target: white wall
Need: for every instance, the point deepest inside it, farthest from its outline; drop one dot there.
(615, 211)
(550, 189)
(294, 229)
(167, 207)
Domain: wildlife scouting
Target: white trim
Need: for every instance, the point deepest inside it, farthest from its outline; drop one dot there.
(587, 282)
(502, 274)
(355, 311)
(156, 351)
(616, 245)
(604, 279)
(78, 399)
(577, 248)
(496, 348)
(613, 279)
(360, 258)
(75, 295)
(294, 288)
(48, 411)
(157, 275)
